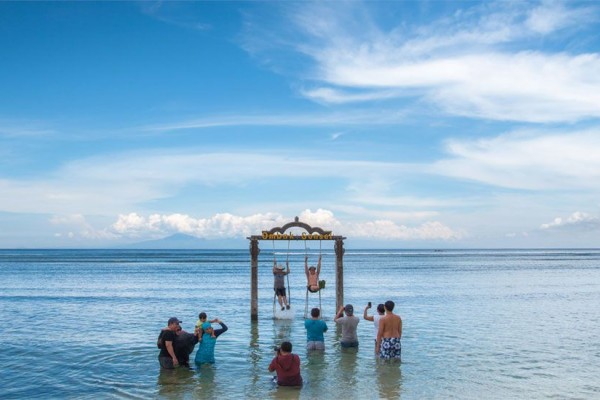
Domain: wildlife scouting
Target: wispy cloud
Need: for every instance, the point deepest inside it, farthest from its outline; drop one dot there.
(527, 160)
(115, 182)
(481, 62)
(22, 129)
(174, 13)
(355, 117)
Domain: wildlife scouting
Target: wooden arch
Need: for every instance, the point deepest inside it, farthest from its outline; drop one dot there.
(279, 233)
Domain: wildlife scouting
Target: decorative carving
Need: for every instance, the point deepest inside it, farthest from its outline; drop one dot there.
(327, 235)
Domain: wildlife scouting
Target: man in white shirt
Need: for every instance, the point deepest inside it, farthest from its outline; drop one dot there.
(375, 318)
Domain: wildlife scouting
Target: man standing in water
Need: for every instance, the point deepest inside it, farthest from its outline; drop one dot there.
(388, 344)
(349, 324)
(279, 284)
(375, 318)
(166, 357)
(315, 328)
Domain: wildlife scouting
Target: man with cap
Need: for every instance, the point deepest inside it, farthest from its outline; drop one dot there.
(206, 348)
(349, 324)
(166, 357)
(279, 284)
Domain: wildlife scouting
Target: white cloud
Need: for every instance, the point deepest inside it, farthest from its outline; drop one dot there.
(222, 225)
(551, 16)
(527, 160)
(576, 221)
(20, 129)
(109, 184)
(335, 119)
(478, 63)
(79, 228)
(232, 226)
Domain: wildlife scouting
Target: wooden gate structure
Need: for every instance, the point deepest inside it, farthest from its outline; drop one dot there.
(312, 233)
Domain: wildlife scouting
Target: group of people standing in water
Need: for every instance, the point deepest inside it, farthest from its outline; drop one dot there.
(176, 345)
(387, 338)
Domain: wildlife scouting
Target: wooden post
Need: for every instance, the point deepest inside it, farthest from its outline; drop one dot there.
(254, 250)
(339, 274)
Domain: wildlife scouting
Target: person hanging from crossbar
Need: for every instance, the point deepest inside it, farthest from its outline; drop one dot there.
(312, 275)
(279, 284)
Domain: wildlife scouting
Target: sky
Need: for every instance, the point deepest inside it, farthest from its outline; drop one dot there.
(398, 124)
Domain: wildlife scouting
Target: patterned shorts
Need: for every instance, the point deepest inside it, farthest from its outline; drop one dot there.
(390, 348)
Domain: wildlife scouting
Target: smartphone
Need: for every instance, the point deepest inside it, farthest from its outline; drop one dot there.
(369, 304)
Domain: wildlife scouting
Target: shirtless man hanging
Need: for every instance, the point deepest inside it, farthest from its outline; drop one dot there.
(312, 275)
(388, 344)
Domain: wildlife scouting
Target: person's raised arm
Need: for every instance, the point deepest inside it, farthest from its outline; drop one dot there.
(287, 270)
(319, 266)
(306, 266)
(339, 314)
(365, 316)
(222, 330)
(274, 265)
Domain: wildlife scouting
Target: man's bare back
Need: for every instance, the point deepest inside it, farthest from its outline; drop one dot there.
(390, 326)
(390, 331)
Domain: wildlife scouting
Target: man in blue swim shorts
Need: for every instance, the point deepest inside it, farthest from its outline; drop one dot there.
(388, 345)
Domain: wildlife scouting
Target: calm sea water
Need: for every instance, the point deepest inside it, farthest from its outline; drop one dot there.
(477, 324)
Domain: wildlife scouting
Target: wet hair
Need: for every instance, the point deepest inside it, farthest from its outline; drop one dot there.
(380, 308)
(389, 305)
(315, 312)
(202, 315)
(286, 346)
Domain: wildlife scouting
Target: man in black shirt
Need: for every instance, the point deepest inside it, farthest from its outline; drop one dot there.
(166, 357)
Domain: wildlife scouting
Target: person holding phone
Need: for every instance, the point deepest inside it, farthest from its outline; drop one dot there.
(375, 318)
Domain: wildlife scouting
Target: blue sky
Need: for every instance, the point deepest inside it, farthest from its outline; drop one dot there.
(397, 124)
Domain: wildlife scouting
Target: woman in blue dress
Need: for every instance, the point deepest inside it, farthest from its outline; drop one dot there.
(206, 348)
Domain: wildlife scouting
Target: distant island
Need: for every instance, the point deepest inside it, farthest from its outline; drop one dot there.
(181, 241)
(176, 241)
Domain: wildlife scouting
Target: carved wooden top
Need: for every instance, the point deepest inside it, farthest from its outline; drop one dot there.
(313, 233)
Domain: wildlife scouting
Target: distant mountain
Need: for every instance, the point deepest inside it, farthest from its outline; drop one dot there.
(176, 241)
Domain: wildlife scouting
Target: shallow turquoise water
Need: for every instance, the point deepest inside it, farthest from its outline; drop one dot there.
(477, 324)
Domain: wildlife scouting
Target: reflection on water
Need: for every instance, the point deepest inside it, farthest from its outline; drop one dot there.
(389, 379)
(174, 383)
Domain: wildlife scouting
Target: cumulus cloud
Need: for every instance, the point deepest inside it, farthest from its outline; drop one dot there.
(223, 225)
(226, 225)
(576, 221)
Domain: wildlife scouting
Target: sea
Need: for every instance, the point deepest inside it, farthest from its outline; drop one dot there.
(491, 324)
